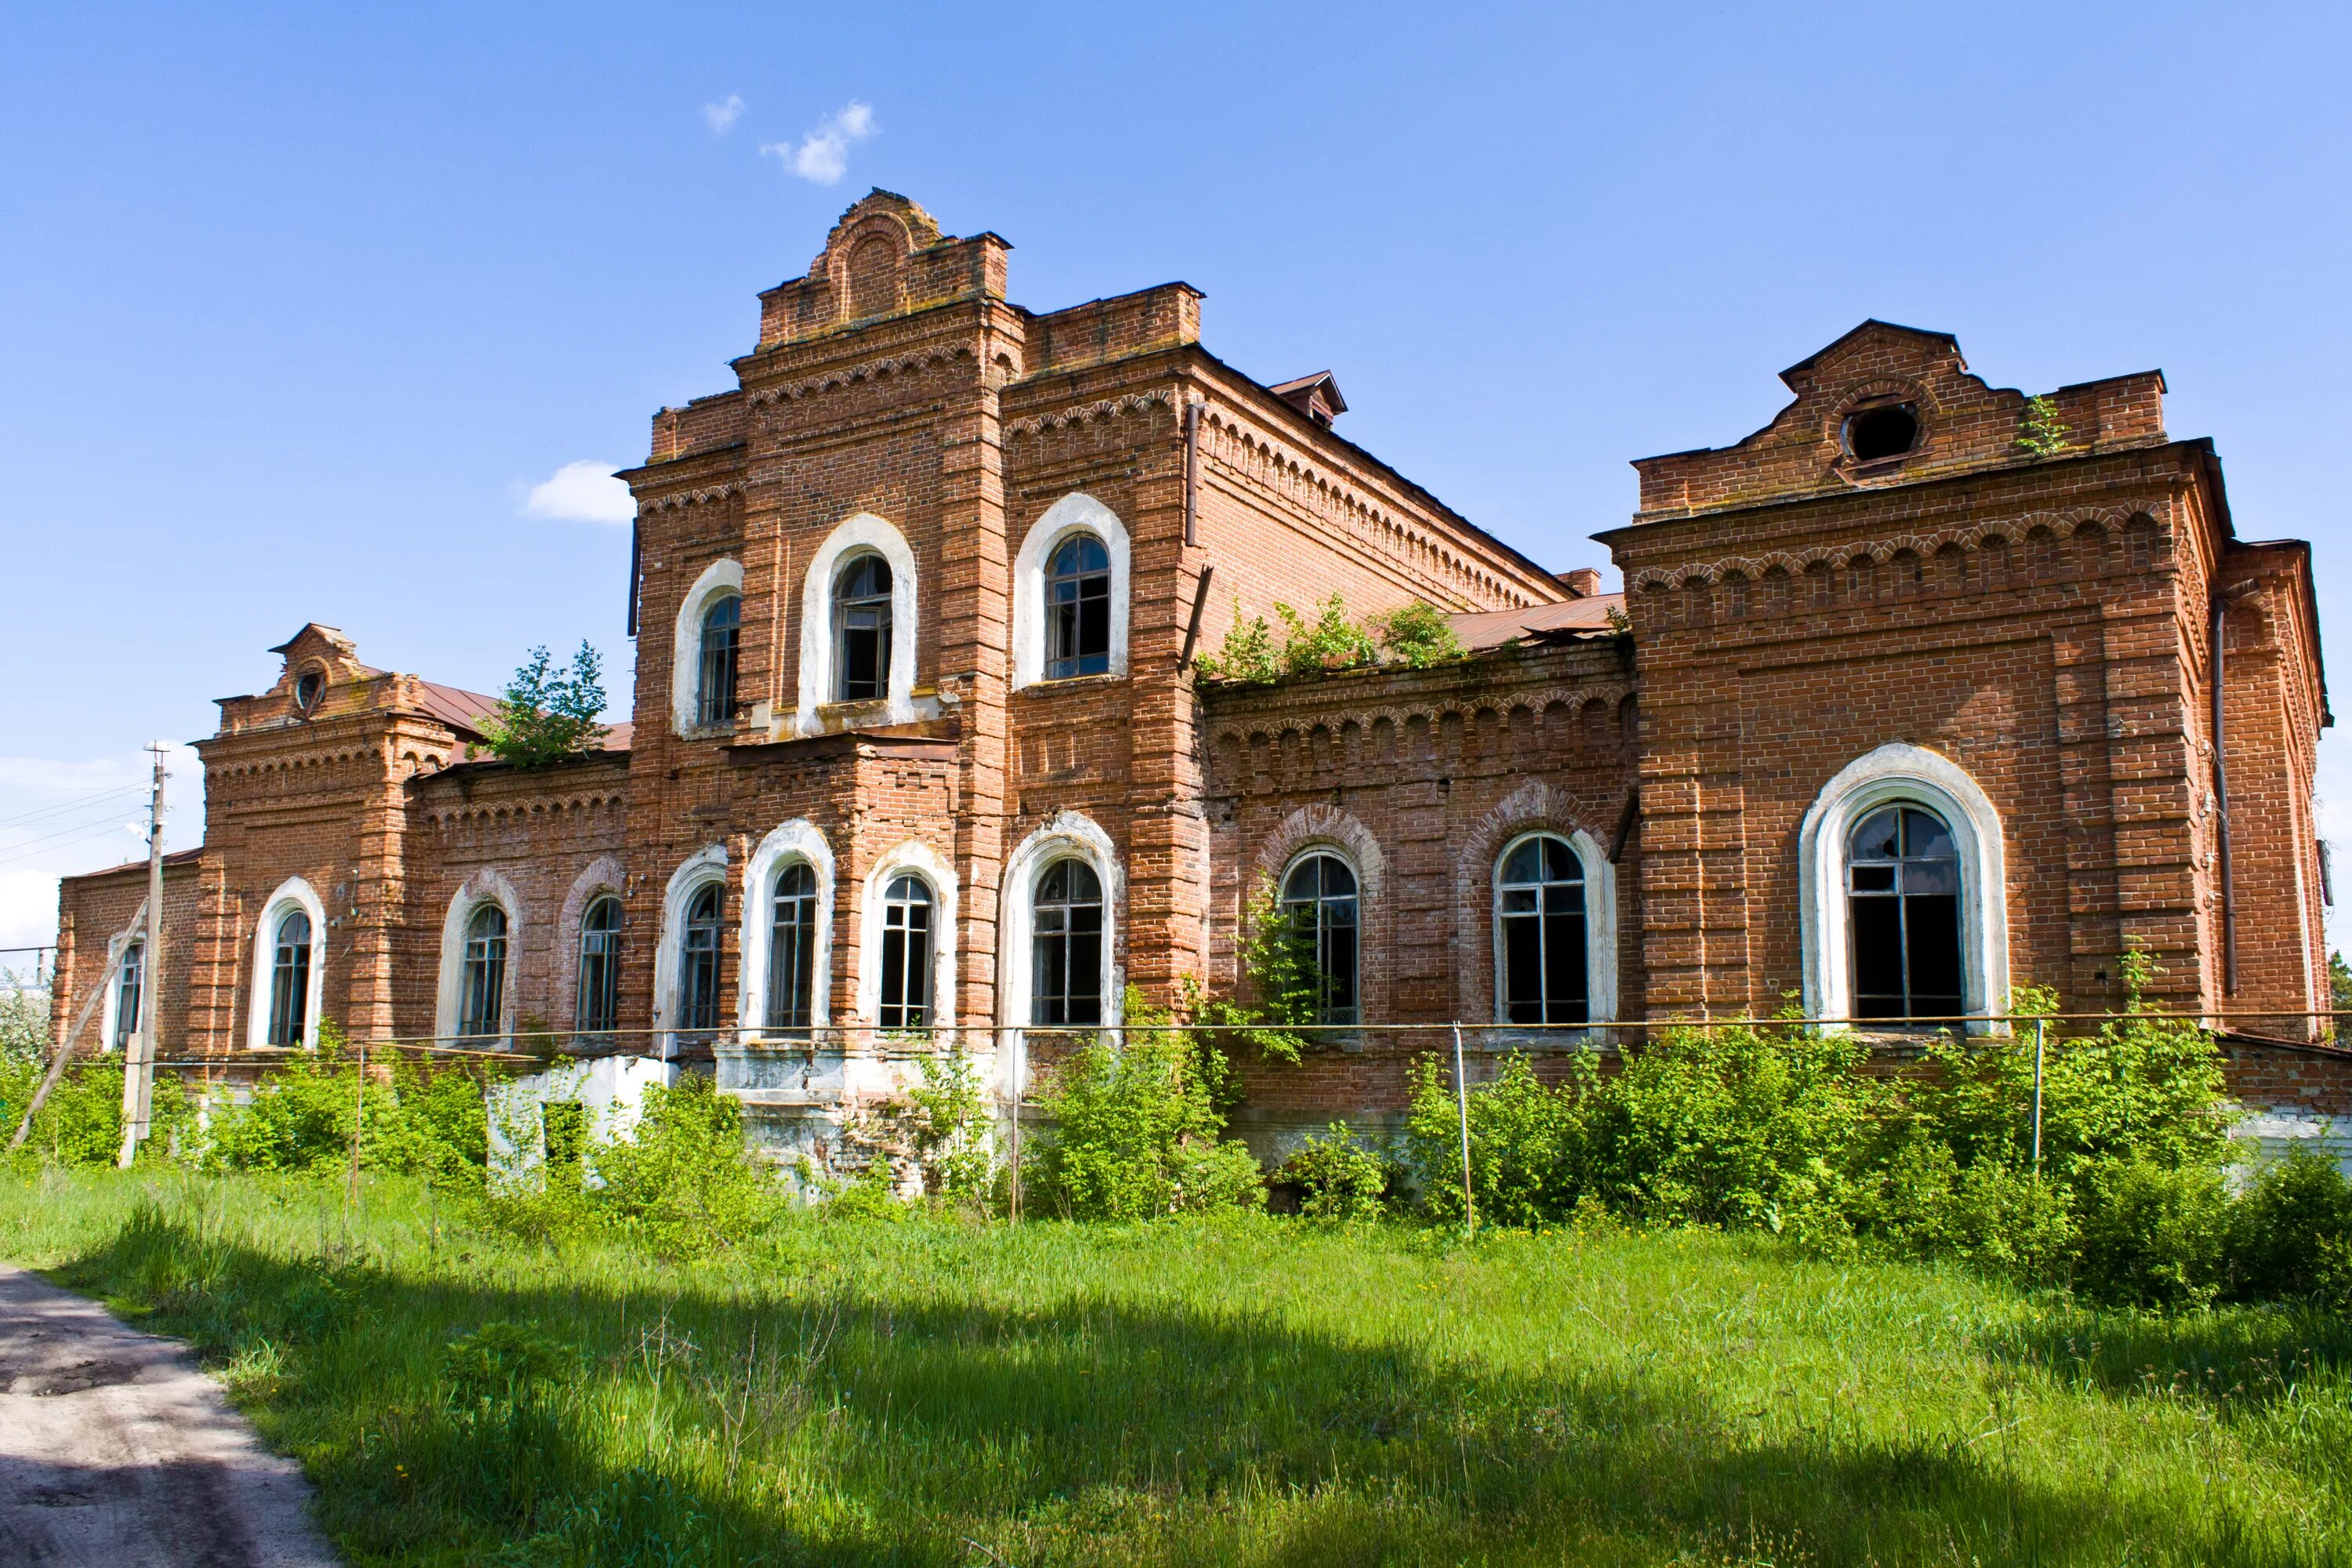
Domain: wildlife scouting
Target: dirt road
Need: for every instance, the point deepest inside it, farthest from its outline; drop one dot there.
(115, 1450)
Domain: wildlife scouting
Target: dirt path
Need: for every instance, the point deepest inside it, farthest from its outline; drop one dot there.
(115, 1450)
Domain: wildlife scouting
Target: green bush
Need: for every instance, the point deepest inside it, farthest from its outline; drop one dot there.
(1527, 1143)
(414, 1117)
(81, 1122)
(2151, 1235)
(1137, 1128)
(1417, 635)
(952, 1129)
(2291, 1234)
(1338, 1177)
(684, 1181)
(1991, 1216)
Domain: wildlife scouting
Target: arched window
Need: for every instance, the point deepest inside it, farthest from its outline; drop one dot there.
(1077, 609)
(792, 949)
(906, 954)
(1319, 896)
(289, 980)
(1540, 946)
(126, 993)
(861, 630)
(1066, 945)
(697, 968)
(599, 1007)
(482, 991)
(1903, 915)
(714, 701)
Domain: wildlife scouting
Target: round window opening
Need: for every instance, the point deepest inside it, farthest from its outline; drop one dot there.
(1888, 430)
(306, 687)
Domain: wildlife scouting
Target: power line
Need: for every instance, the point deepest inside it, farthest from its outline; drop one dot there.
(75, 805)
(39, 848)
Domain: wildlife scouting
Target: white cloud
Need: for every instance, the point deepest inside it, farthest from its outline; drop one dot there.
(721, 117)
(584, 491)
(823, 156)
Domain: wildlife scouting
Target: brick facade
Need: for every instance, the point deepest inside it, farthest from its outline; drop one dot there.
(2035, 626)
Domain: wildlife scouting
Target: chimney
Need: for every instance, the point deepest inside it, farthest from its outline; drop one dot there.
(1582, 583)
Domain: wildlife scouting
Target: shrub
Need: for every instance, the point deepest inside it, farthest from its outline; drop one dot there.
(1338, 1177)
(1527, 1143)
(951, 1128)
(2151, 1235)
(2290, 1233)
(1417, 635)
(684, 1181)
(2003, 1220)
(81, 1122)
(1137, 1128)
(1329, 642)
(503, 1362)
(1248, 657)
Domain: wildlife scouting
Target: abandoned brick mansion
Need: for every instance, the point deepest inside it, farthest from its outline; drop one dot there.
(1922, 691)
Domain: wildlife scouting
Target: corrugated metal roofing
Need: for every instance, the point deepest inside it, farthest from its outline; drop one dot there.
(1538, 623)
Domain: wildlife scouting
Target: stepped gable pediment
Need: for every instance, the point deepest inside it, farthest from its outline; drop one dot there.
(885, 257)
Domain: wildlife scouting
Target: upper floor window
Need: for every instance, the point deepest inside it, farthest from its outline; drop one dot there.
(1319, 896)
(792, 949)
(697, 969)
(1540, 948)
(482, 989)
(1077, 609)
(722, 623)
(126, 994)
(309, 687)
(861, 630)
(1882, 430)
(1903, 915)
(1065, 943)
(289, 980)
(599, 1006)
(906, 911)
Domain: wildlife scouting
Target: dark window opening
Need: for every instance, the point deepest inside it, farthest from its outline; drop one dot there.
(1077, 609)
(792, 949)
(307, 688)
(906, 954)
(722, 624)
(482, 995)
(1541, 906)
(289, 981)
(599, 1007)
(861, 620)
(1887, 431)
(698, 969)
(1065, 967)
(1903, 904)
(1318, 899)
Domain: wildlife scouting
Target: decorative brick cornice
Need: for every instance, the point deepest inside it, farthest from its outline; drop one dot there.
(1402, 711)
(702, 496)
(1972, 537)
(1102, 408)
(849, 375)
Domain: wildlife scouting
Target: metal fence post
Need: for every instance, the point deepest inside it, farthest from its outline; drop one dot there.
(2040, 1029)
(1462, 1100)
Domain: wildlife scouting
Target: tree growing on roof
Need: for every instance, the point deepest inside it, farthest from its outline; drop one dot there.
(545, 717)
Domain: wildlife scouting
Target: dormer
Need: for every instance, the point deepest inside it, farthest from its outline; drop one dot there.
(1316, 396)
(320, 665)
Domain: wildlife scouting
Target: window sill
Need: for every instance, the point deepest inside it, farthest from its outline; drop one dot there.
(1046, 685)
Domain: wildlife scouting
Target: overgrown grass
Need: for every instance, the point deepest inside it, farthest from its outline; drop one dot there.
(1251, 1390)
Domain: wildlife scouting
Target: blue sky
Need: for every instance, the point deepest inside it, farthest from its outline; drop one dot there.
(298, 307)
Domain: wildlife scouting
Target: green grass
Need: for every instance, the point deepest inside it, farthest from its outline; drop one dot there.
(1257, 1391)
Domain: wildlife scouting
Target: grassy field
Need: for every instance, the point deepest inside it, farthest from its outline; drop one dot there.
(1257, 1391)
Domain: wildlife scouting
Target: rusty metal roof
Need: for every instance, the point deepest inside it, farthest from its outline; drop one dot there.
(1537, 622)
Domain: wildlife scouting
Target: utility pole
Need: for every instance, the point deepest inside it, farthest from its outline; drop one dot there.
(139, 1064)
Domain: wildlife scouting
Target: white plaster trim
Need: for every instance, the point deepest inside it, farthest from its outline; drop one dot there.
(717, 579)
(1899, 771)
(486, 886)
(1075, 513)
(604, 875)
(1070, 835)
(1600, 921)
(292, 894)
(707, 864)
(862, 532)
(921, 858)
(799, 839)
(115, 946)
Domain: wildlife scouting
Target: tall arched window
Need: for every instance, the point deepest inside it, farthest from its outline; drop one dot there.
(1903, 911)
(482, 991)
(792, 949)
(1077, 609)
(907, 908)
(861, 630)
(697, 968)
(714, 701)
(289, 980)
(599, 1007)
(126, 993)
(1540, 936)
(1319, 896)
(1066, 945)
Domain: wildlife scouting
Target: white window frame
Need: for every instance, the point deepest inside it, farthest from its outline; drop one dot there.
(797, 841)
(859, 535)
(487, 886)
(719, 579)
(927, 863)
(1071, 836)
(1075, 513)
(110, 1025)
(1341, 853)
(1599, 923)
(704, 866)
(1895, 773)
(294, 893)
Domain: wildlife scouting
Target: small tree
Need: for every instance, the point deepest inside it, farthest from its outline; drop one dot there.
(1418, 636)
(545, 717)
(2039, 432)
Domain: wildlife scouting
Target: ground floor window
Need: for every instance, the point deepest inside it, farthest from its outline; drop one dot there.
(1540, 950)
(126, 995)
(1319, 898)
(1903, 915)
(483, 990)
(907, 908)
(697, 969)
(289, 980)
(599, 1006)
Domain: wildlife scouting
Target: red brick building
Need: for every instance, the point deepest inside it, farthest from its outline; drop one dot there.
(1918, 692)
